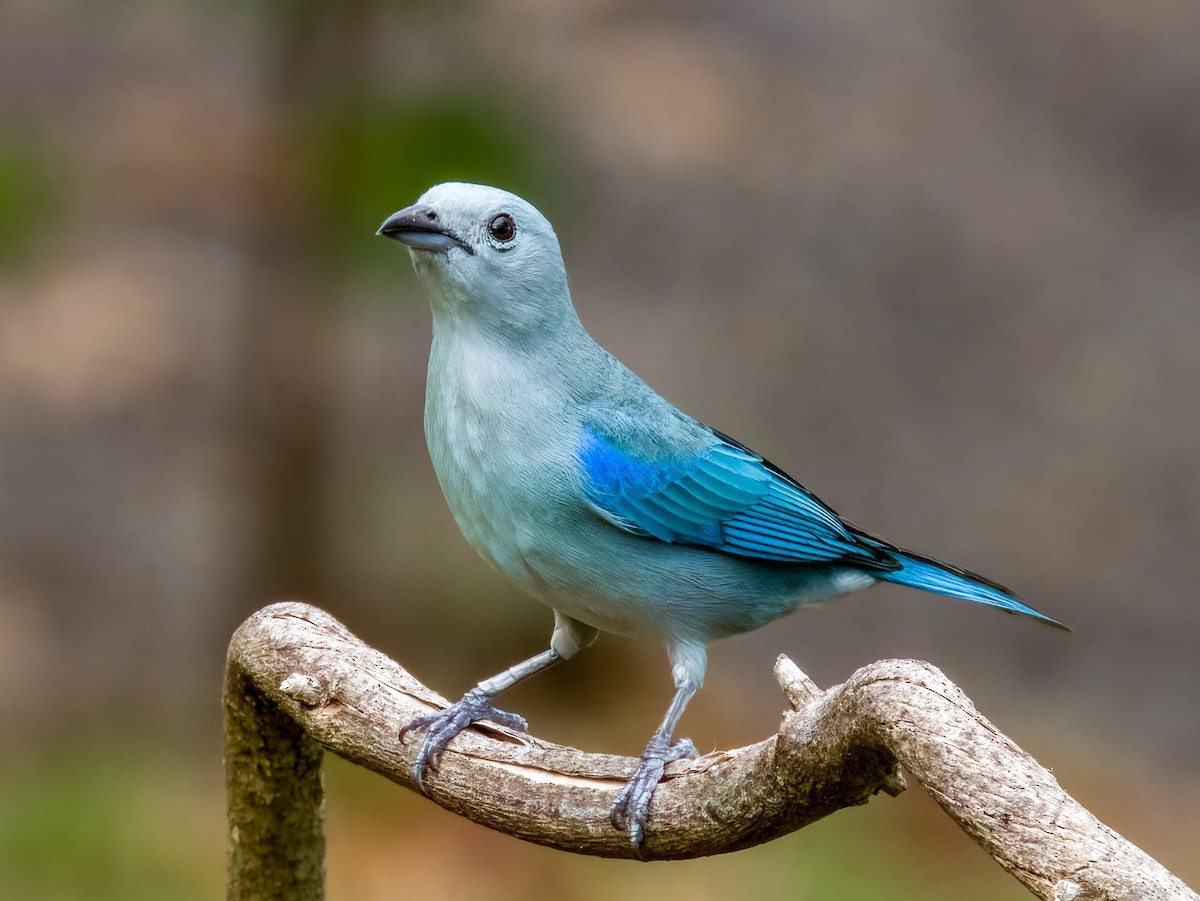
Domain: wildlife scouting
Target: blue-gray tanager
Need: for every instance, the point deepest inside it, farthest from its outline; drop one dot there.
(595, 495)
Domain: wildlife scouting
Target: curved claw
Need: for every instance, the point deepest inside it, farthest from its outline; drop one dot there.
(632, 807)
(441, 727)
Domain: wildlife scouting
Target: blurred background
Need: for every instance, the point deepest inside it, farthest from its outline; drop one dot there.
(941, 261)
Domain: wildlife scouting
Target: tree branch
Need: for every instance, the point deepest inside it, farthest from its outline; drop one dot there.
(834, 749)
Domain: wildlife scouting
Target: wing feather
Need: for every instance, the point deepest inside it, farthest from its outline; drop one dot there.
(725, 498)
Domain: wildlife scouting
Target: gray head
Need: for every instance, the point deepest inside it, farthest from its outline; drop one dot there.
(486, 257)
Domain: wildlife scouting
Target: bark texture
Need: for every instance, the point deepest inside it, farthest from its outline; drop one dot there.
(299, 681)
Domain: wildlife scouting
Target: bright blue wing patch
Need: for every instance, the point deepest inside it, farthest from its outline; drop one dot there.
(726, 498)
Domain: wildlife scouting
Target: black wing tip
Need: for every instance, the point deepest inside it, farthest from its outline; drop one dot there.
(1048, 621)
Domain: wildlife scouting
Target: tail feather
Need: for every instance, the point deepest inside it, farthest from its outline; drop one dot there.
(931, 575)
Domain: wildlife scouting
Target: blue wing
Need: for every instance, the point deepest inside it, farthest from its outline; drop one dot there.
(726, 498)
(729, 499)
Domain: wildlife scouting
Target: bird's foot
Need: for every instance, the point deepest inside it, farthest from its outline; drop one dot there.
(441, 727)
(632, 806)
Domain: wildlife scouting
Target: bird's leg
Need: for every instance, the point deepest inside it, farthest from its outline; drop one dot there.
(474, 706)
(632, 806)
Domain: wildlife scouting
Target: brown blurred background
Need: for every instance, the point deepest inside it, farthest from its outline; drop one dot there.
(939, 260)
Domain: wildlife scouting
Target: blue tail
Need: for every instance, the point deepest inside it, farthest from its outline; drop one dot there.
(929, 575)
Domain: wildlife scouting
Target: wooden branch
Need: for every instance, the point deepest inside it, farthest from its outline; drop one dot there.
(275, 800)
(834, 749)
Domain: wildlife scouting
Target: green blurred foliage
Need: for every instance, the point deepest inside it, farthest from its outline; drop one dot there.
(26, 198)
(378, 154)
(101, 820)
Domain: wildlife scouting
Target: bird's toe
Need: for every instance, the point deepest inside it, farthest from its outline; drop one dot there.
(441, 728)
(631, 810)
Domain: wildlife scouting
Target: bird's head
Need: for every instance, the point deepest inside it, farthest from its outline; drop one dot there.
(484, 256)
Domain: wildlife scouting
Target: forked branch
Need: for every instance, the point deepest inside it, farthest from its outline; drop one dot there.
(299, 681)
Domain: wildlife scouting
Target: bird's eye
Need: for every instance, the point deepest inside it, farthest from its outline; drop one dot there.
(502, 227)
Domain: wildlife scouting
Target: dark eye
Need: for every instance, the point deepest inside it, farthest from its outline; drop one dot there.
(502, 227)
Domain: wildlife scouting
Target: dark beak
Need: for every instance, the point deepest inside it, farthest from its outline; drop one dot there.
(420, 228)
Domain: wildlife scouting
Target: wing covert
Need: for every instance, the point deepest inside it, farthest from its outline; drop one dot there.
(726, 498)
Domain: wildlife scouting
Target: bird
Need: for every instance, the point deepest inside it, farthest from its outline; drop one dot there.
(598, 497)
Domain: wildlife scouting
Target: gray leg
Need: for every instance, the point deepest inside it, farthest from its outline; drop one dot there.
(570, 636)
(632, 807)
